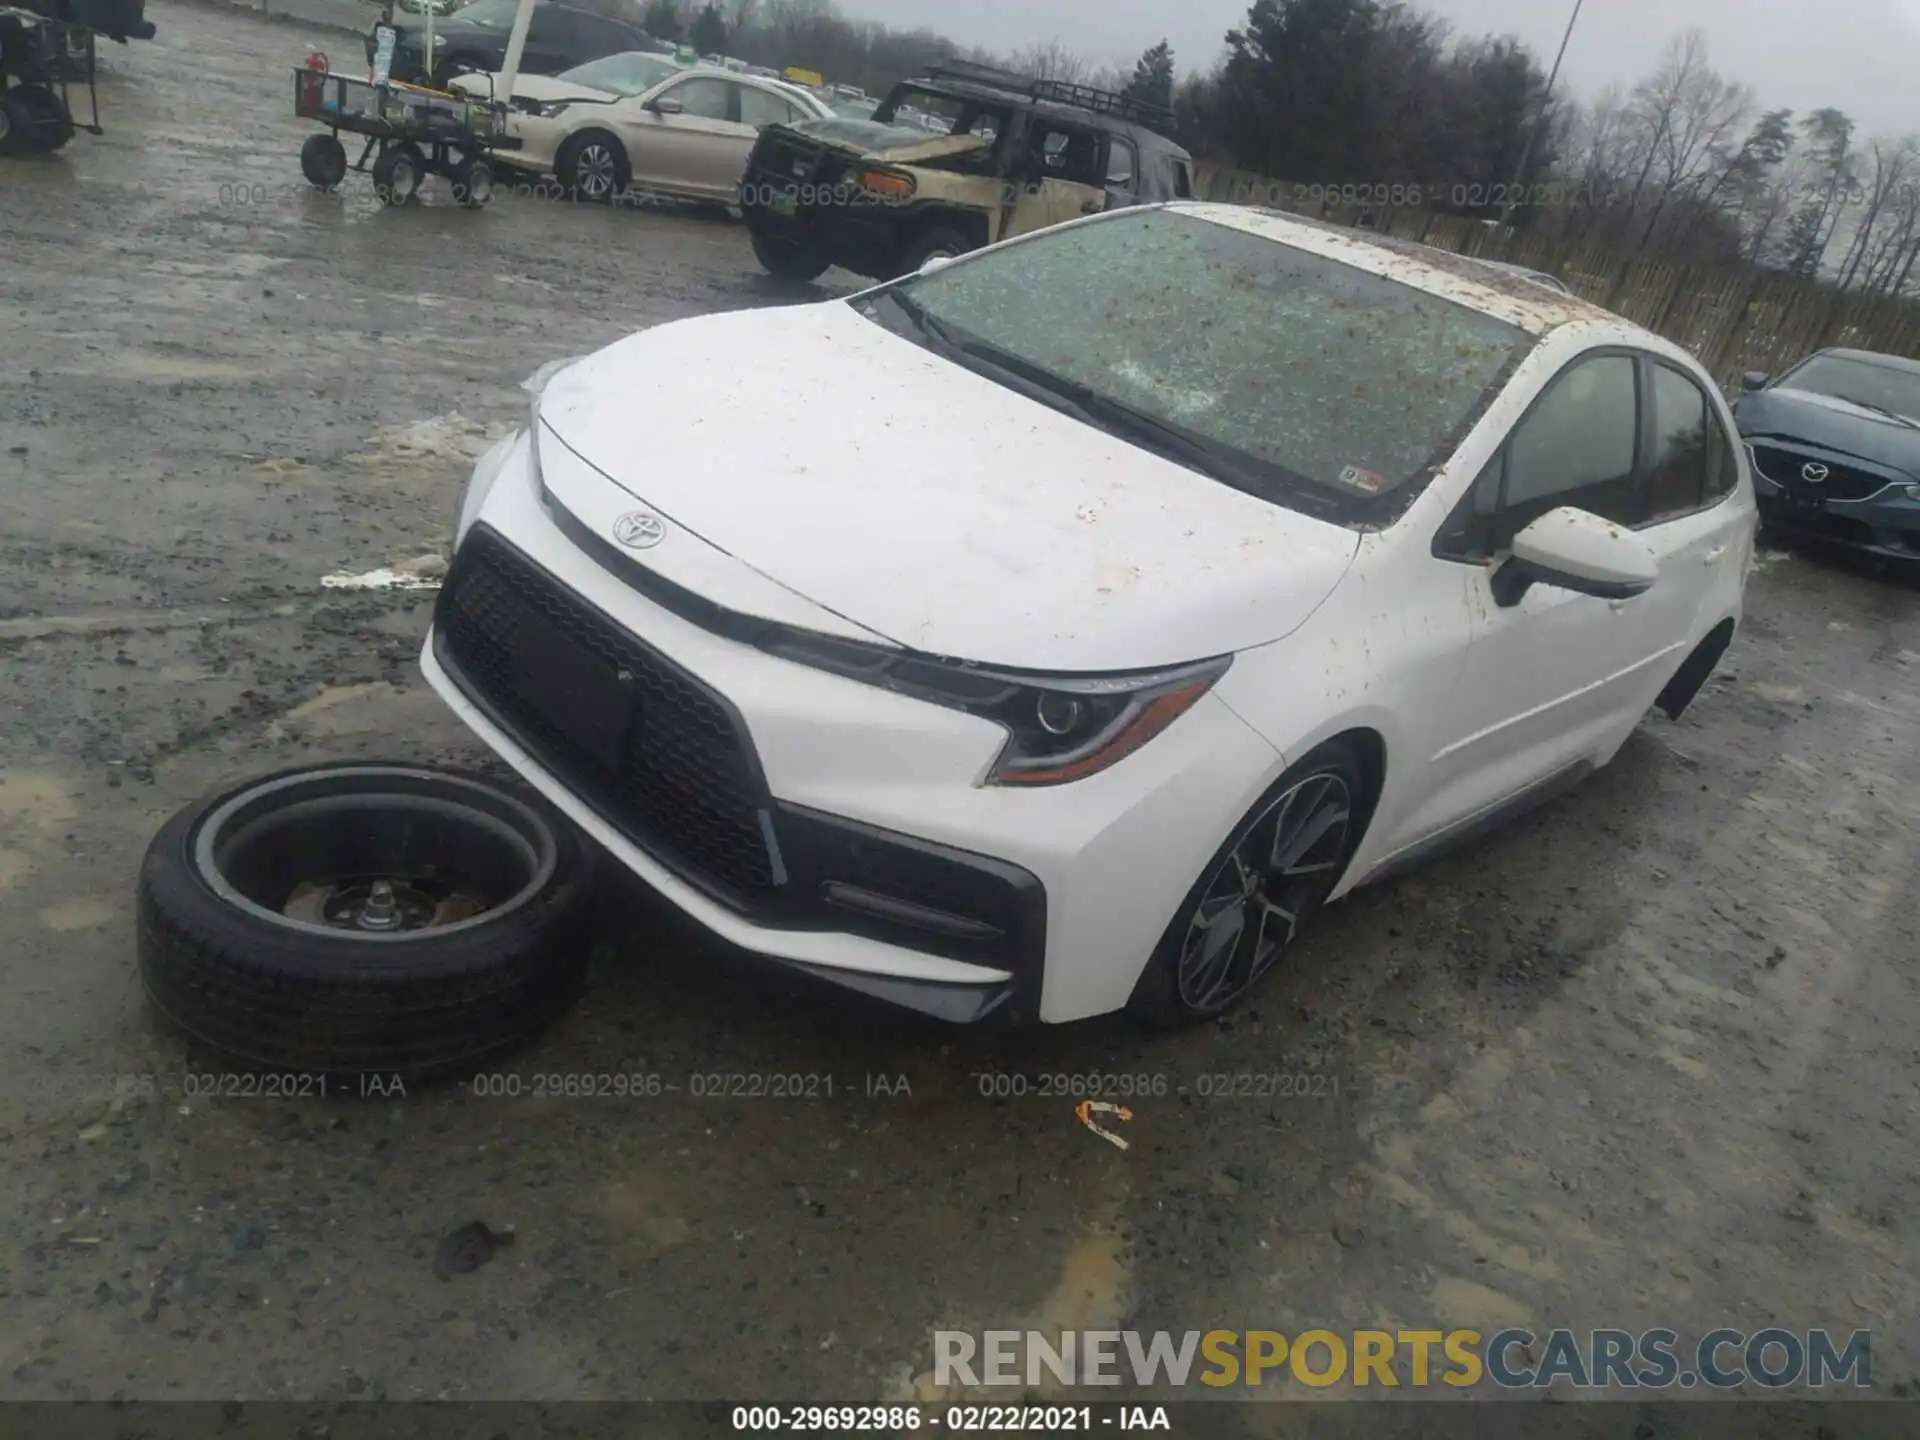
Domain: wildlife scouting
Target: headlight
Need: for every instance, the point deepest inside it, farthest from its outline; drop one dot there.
(473, 490)
(1059, 728)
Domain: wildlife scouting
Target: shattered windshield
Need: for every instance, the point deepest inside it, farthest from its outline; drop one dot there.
(937, 113)
(1315, 384)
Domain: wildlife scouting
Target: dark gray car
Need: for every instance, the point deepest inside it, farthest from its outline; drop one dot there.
(474, 37)
(1836, 449)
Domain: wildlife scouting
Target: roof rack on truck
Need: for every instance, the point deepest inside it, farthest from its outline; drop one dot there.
(1058, 92)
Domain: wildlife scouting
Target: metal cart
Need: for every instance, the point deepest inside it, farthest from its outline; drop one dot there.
(411, 132)
(35, 117)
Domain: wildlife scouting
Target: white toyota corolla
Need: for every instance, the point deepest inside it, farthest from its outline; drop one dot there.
(1055, 630)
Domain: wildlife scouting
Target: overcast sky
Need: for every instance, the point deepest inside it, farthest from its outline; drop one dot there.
(1861, 55)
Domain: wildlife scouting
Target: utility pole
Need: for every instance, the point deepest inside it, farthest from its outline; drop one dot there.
(1540, 121)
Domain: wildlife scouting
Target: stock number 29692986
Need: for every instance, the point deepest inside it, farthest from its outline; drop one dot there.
(1074, 1085)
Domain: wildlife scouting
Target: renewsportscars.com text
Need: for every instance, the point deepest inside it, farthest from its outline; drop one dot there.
(1513, 1359)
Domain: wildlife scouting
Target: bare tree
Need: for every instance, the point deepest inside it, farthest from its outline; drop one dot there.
(1593, 155)
(1889, 169)
(1050, 60)
(1899, 247)
(1691, 115)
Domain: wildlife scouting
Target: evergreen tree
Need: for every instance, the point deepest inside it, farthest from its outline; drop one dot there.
(1153, 77)
(709, 33)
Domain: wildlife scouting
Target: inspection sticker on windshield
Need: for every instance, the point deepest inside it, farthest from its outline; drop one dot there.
(1367, 482)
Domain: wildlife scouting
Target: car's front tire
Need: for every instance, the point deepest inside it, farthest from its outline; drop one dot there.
(593, 166)
(1258, 892)
(786, 260)
(942, 242)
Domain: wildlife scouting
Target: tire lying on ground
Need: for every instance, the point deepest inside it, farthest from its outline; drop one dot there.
(364, 919)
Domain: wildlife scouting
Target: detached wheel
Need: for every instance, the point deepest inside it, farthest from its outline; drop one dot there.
(363, 919)
(14, 122)
(37, 120)
(785, 260)
(472, 182)
(397, 173)
(1259, 891)
(323, 160)
(593, 166)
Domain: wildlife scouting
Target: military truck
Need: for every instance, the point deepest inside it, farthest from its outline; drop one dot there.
(881, 198)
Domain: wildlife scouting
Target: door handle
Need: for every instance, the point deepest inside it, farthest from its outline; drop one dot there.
(1712, 556)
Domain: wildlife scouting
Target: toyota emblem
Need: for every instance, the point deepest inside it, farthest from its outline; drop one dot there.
(1813, 472)
(637, 530)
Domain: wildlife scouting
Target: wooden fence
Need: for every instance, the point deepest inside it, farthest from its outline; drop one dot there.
(1735, 318)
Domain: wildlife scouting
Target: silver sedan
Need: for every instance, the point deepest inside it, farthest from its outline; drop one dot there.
(639, 122)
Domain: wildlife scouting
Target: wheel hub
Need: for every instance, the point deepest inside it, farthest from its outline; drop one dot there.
(380, 904)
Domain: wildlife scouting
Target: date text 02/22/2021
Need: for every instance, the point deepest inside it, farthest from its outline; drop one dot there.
(950, 1419)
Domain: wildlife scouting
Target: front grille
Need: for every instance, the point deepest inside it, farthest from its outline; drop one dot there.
(654, 751)
(787, 160)
(1842, 482)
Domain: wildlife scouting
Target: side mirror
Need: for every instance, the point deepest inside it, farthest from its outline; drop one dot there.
(667, 105)
(933, 263)
(1578, 551)
(1753, 380)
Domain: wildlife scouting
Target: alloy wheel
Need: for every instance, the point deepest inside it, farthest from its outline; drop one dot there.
(596, 172)
(1283, 866)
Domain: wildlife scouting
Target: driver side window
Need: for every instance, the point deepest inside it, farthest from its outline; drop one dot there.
(702, 97)
(1576, 446)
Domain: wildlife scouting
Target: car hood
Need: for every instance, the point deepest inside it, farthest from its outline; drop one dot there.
(864, 136)
(543, 88)
(877, 140)
(929, 505)
(1828, 423)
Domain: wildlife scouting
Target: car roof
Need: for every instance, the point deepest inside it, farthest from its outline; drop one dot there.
(784, 87)
(1466, 281)
(1874, 357)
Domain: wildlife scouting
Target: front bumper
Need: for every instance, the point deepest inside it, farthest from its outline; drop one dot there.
(1885, 522)
(807, 198)
(1061, 893)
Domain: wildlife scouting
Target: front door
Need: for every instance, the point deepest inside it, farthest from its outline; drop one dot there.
(698, 149)
(1556, 678)
(1062, 178)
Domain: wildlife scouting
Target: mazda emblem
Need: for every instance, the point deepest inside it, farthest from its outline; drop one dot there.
(1813, 472)
(637, 530)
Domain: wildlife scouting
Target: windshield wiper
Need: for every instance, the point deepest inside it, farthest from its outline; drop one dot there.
(1894, 415)
(916, 313)
(1116, 417)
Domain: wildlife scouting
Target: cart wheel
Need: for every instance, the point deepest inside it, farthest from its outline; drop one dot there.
(14, 123)
(396, 174)
(36, 120)
(323, 160)
(472, 181)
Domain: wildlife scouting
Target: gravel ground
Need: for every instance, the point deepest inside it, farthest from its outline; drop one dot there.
(1646, 1058)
